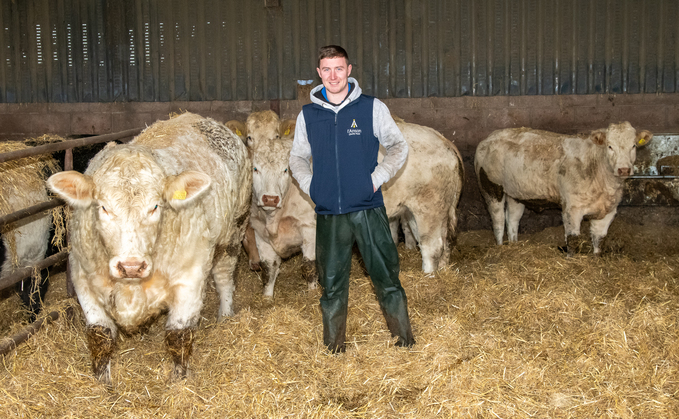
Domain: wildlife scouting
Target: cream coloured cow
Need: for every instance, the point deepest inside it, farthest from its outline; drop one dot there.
(26, 242)
(151, 221)
(424, 194)
(281, 216)
(584, 176)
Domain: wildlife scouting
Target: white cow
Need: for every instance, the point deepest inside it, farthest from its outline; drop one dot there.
(424, 194)
(25, 242)
(151, 221)
(584, 176)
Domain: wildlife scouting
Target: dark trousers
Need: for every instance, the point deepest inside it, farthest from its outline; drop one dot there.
(335, 236)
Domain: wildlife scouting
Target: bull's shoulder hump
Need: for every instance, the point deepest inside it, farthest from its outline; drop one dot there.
(221, 139)
(164, 133)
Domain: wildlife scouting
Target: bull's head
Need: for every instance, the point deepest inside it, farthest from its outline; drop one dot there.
(262, 126)
(621, 142)
(126, 197)
(271, 177)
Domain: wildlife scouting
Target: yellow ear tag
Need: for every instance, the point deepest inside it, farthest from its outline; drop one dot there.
(642, 141)
(238, 133)
(181, 195)
(287, 132)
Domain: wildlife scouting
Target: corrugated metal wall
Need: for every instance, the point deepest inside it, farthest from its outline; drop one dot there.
(164, 50)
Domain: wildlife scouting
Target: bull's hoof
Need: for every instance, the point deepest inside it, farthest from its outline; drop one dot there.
(312, 285)
(405, 343)
(255, 266)
(225, 315)
(178, 373)
(179, 345)
(101, 343)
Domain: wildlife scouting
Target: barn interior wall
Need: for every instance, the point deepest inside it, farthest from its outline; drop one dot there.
(464, 120)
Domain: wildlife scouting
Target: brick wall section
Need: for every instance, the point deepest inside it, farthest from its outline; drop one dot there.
(463, 120)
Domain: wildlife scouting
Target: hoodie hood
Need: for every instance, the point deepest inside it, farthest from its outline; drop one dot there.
(317, 96)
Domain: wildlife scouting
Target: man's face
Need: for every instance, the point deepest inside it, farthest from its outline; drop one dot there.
(334, 73)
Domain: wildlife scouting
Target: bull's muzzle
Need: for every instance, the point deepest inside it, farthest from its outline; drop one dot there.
(270, 200)
(624, 171)
(132, 269)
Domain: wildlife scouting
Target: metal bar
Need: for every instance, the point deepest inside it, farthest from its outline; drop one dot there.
(16, 276)
(27, 212)
(48, 148)
(10, 343)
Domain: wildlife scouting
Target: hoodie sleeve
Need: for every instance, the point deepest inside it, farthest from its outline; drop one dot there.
(393, 141)
(300, 156)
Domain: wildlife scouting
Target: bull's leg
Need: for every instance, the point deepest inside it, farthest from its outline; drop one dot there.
(599, 229)
(187, 301)
(497, 215)
(101, 331)
(393, 226)
(271, 264)
(32, 292)
(513, 214)
(572, 218)
(250, 246)
(309, 272)
(101, 343)
(180, 345)
(408, 234)
(432, 229)
(223, 271)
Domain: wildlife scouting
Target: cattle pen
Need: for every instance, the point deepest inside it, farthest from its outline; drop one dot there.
(19, 274)
(521, 330)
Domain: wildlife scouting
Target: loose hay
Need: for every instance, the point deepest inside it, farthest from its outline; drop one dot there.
(513, 331)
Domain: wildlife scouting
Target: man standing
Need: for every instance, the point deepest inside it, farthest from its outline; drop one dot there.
(342, 130)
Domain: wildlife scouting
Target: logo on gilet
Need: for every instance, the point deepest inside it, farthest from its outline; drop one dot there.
(354, 130)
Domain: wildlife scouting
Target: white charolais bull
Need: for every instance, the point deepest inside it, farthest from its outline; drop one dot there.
(584, 175)
(151, 221)
(424, 194)
(281, 216)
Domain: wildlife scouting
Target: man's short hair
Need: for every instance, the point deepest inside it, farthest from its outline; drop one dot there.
(331, 51)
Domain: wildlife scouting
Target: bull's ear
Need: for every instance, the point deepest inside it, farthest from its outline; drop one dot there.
(599, 137)
(73, 187)
(643, 137)
(238, 128)
(287, 128)
(184, 188)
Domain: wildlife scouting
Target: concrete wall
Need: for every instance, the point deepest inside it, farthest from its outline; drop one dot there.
(463, 120)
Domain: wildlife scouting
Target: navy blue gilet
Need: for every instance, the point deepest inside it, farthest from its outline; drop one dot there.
(344, 152)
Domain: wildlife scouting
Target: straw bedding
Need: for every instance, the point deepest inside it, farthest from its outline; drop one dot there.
(515, 331)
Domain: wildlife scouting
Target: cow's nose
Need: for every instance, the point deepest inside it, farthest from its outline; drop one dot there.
(270, 200)
(132, 269)
(624, 171)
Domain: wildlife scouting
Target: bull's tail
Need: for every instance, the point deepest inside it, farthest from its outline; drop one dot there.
(452, 210)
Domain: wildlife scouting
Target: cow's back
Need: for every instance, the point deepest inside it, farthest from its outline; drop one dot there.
(524, 162)
(433, 167)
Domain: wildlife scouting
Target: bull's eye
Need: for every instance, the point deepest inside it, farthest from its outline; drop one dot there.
(104, 209)
(610, 147)
(153, 210)
(255, 169)
(634, 146)
(249, 138)
(286, 170)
